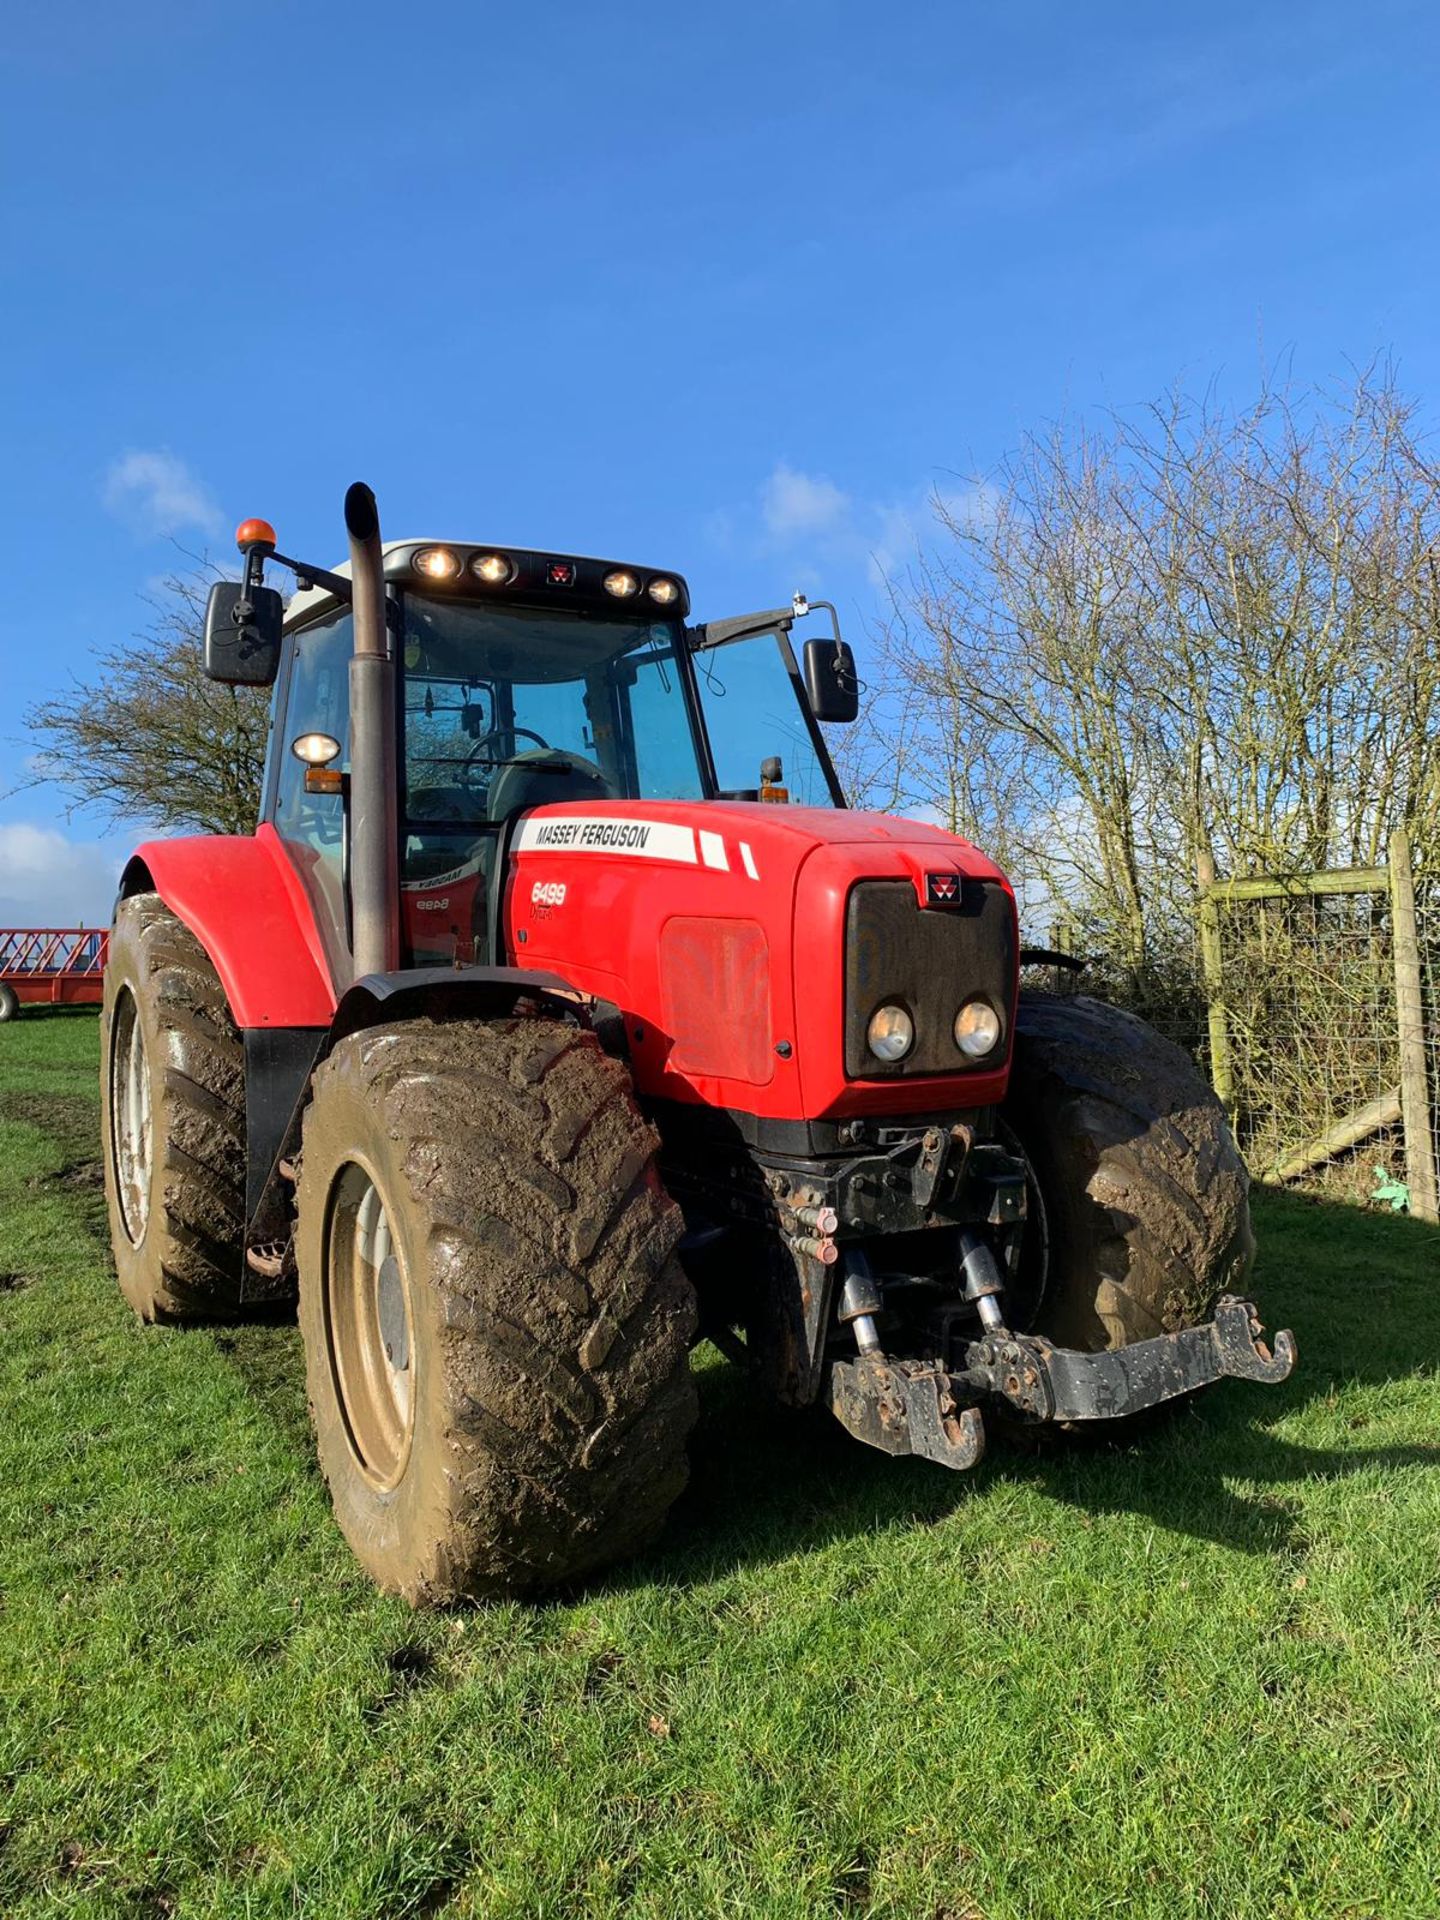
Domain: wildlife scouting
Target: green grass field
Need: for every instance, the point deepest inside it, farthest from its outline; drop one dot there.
(1197, 1677)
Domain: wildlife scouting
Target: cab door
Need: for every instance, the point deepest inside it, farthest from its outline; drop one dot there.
(755, 708)
(315, 698)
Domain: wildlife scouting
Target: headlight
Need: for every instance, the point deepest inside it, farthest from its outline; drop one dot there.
(663, 592)
(621, 584)
(977, 1029)
(495, 569)
(437, 563)
(890, 1034)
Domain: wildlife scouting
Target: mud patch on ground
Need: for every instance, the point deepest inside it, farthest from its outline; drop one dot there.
(71, 1120)
(409, 1668)
(80, 1176)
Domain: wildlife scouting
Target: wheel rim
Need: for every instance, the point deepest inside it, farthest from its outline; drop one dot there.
(369, 1326)
(130, 1126)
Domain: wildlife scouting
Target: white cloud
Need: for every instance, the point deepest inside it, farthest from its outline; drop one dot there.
(155, 493)
(899, 531)
(814, 524)
(49, 880)
(800, 504)
(902, 527)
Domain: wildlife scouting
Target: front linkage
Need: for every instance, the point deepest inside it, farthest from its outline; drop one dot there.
(917, 1406)
(931, 1404)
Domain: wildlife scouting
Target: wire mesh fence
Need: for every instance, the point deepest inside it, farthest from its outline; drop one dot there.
(1309, 1010)
(1313, 1004)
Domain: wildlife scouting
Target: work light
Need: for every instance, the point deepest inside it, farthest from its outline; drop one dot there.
(315, 749)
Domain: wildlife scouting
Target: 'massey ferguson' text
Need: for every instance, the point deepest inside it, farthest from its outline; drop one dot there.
(591, 833)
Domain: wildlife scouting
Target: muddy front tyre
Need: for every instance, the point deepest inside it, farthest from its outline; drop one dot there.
(172, 1103)
(1144, 1215)
(496, 1326)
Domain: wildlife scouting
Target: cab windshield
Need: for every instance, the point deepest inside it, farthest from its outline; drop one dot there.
(514, 707)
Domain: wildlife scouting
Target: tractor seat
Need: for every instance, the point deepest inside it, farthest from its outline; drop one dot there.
(546, 776)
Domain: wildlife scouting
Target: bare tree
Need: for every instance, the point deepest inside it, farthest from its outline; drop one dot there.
(1188, 630)
(147, 737)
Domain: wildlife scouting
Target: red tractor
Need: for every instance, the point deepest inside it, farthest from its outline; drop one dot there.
(559, 1013)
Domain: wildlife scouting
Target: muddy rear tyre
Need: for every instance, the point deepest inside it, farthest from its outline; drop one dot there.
(1145, 1194)
(496, 1326)
(172, 1100)
(9, 1002)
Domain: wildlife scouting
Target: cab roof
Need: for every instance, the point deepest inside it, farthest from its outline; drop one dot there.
(536, 575)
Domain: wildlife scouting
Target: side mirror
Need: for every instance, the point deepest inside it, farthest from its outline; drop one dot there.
(242, 634)
(832, 685)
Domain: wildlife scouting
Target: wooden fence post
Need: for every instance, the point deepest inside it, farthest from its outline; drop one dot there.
(1415, 1110)
(1212, 962)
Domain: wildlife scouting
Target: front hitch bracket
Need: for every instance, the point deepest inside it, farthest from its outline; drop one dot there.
(1110, 1386)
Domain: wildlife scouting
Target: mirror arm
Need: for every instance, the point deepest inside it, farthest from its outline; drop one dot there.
(720, 633)
(814, 606)
(305, 576)
(253, 577)
(308, 576)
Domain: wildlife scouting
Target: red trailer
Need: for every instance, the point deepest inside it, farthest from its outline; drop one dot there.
(53, 966)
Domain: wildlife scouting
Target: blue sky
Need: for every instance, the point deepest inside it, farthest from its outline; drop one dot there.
(728, 289)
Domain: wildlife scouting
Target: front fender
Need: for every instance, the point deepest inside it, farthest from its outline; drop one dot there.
(449, 993)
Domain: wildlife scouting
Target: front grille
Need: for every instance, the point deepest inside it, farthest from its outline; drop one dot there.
(928, 960)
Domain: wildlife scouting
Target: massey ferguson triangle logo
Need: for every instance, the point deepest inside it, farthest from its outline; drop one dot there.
(942, 889)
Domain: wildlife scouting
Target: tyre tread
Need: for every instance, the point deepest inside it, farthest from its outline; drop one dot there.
(189, 1266)
(564, 1316)
(1151, 1191)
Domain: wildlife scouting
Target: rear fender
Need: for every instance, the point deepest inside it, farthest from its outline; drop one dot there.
(245, 904)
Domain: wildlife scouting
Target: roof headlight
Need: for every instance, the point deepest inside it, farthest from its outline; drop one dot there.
(977, 1029)
(436, 563)
(495, 569)
(663, 592)
(622, 584)
(890, 1034)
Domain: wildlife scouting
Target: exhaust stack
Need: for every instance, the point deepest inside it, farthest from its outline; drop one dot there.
(374, 822)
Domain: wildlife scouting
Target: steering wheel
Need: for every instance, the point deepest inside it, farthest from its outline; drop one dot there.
(475, 757)
(436, 806)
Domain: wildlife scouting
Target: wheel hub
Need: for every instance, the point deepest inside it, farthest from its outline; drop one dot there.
(130, 1124)
(369, 1326)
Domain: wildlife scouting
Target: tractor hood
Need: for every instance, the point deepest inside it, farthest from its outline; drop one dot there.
(740, 943)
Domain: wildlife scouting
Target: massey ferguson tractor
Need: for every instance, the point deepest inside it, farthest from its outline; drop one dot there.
(559, 1014)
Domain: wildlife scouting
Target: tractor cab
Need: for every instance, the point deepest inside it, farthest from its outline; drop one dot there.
(524, 679)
